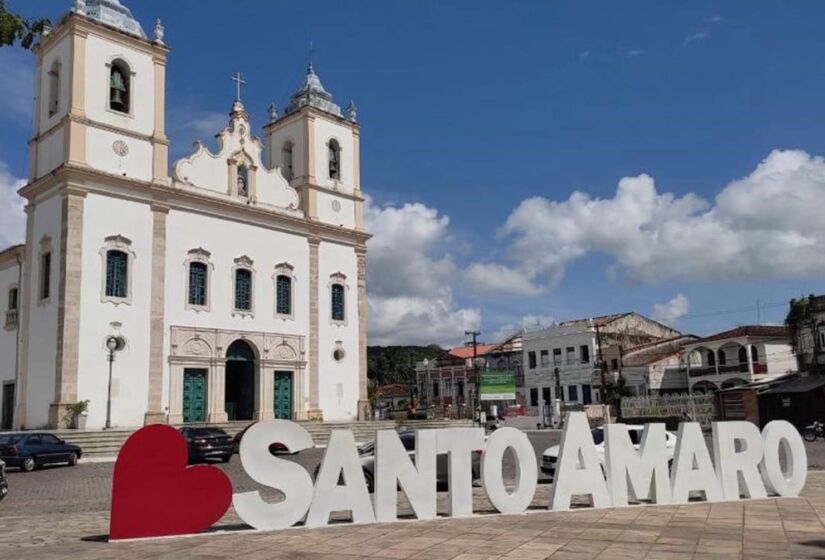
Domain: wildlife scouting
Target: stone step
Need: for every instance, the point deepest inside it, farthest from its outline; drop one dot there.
(107, 443)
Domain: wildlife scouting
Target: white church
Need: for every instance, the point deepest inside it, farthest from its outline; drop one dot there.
(229, 287)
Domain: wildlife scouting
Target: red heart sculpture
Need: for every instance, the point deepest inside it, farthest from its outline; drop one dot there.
(154, 493)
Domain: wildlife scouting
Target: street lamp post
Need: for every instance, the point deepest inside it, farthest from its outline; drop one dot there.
(113, 344)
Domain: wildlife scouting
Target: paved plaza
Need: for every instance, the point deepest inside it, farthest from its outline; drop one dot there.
(63, 512)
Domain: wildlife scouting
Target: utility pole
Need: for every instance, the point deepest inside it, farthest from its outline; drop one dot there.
(475, 335)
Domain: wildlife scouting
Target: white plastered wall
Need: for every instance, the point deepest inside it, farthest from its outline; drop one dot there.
(103, 217)
(338, 380)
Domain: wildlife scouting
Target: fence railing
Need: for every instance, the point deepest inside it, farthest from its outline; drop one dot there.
(700, 407)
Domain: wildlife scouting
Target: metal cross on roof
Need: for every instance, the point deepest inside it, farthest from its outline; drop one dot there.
(240, 81)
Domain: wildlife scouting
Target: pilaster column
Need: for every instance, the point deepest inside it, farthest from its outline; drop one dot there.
(749, 352)
(363, 401)
(264, 387)
(160, 143)
(157, 321)
(176, 394)
(216, 393)
(314, 412)
(68, 304)
(24, 306)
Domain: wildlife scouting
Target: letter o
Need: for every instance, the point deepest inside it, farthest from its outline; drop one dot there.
(785, 483)
(526, 470)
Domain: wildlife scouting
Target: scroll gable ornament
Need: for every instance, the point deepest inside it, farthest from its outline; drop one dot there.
(155, 494)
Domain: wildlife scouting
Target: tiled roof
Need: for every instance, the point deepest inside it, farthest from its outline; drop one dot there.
(393, 390)
(465, 352)
(600, 321)
(653, 352)
(762, 331)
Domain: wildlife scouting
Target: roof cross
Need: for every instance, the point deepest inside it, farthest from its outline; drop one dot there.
(240, 81)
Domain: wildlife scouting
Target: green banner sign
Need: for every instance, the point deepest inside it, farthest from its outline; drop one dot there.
(497, 385)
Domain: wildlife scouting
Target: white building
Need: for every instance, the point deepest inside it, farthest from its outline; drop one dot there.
(738, 356)
(656, 368)
(237, 282)
(562, 361)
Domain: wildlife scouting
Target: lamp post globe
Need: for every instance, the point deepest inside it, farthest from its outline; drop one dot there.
(112, 343)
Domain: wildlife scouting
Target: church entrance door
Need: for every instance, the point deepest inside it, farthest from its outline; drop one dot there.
(240, 381)
(282, 399)
(194, 395)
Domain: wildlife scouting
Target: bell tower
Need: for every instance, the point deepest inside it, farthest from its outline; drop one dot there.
(317, 149)
(101, 96)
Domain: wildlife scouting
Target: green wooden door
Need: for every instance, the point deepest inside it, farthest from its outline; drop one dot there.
(194, 395)
(283, 395)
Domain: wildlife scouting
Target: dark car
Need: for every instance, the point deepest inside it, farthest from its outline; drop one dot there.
(207, 443)
(275, 448)
(29, 450)
(4, 482)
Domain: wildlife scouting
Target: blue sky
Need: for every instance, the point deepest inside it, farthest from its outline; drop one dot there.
(470, 110)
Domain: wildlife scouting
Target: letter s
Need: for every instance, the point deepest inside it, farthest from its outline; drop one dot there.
(290, 478)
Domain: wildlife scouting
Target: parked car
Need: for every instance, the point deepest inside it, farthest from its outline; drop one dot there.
(551, 454)
(4, 482)
(366, 451)
(207, 443)
(30, 450)
(275, 448)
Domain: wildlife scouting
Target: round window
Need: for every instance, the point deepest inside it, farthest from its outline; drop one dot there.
(338, 354)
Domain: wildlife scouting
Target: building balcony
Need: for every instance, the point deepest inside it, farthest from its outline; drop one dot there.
(742, 367)
(11, 319)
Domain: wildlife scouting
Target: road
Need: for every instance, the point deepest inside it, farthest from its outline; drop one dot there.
(87, 487)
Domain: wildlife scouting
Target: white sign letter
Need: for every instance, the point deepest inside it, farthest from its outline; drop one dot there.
(290, 478)
(340, 459)
(692, 467)
(646, 471)
(776, 433)
(459, 443)
(579, 470)
(738, 471)
(526, 470)
(393, 467)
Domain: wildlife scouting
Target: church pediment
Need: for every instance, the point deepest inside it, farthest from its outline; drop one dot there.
(237, 169)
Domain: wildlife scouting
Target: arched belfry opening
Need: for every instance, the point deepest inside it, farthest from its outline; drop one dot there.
(240, 381)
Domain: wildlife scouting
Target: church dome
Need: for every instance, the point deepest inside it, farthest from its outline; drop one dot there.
(313, 94)
(113, 13)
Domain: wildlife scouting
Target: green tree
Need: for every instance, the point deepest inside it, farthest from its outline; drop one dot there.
(15, 28)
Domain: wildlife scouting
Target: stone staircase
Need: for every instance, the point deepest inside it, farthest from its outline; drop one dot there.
(107, 443)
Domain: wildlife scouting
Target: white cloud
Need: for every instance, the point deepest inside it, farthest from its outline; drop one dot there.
(410, 277)
(205, 125)
(670, 312)
(700, 36)
(633, 53)
(768, 224)
(17, 85)
(12, 216)
(492, 278)
(584, 55)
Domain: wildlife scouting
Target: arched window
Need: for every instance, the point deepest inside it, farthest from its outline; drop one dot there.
(243, 180)
(754, 354)
(243, 289)
(286, 158)
(54, 88)
(283, 289)
(711, 358)
(743, 355)
(338, 302)
(722, 358)
(117, 274)
(119, 90)
(197, 283)
(334, 160)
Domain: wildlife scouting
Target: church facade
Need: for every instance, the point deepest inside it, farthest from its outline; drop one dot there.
(231, 286)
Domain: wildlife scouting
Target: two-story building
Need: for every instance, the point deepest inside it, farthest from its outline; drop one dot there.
(738, 356)
(564, 360)
(806, 322)
(657, 368)
(450, 379)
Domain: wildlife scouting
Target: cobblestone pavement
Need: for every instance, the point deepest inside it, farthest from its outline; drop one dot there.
(38, 521)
